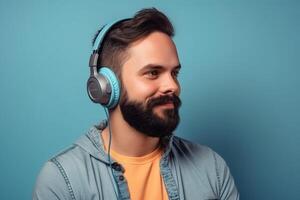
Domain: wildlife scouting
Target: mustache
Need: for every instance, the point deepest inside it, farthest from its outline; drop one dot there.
(163, 100)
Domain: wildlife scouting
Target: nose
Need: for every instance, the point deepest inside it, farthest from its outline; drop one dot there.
(170, 85)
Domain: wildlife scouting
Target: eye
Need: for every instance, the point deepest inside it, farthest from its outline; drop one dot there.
(152, 74)
(175, 73)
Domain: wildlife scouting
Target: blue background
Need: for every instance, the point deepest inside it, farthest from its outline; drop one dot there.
(240, 85)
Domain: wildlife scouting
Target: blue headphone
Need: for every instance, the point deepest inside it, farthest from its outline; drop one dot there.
(103, 86)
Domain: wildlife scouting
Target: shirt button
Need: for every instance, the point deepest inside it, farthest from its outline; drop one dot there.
(116, 167)
(121, 178)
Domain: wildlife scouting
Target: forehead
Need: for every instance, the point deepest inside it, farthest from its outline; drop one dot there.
(155, 49)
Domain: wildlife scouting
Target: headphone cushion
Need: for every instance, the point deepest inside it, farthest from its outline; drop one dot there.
(115, 87)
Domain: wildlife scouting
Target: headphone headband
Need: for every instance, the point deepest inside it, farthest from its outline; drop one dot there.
(103, 32)
(103, 85)
(98, 41)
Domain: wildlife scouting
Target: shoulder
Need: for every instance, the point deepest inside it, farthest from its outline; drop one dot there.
(66, 157)
(57, 178)
(191, 154)
(197, 159)
(72, 155)
(50, 184)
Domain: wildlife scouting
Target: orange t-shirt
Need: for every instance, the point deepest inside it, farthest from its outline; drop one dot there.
(143, 175)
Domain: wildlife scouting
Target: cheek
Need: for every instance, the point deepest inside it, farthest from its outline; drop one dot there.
(139, 90)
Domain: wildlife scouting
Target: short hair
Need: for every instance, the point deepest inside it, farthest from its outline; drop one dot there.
(122, 34)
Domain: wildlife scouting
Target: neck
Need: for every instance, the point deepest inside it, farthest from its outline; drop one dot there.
(125, 139)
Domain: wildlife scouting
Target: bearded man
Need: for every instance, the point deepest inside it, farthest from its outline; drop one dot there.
(134, 154)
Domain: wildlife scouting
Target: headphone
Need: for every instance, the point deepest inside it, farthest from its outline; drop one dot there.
(103, 86)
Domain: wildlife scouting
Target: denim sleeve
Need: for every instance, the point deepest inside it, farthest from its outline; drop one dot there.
(50, 184)
(227, 189)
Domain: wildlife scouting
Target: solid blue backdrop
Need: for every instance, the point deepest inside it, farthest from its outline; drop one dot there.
(240, 85)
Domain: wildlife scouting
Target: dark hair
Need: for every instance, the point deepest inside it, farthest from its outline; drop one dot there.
(121, 35)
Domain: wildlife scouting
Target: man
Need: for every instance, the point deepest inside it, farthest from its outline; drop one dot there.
(134, 154)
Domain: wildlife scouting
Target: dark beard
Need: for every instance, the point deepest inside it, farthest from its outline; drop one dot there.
(144, 120)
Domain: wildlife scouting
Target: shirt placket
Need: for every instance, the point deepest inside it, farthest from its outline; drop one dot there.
(118, 173)
(168, 178)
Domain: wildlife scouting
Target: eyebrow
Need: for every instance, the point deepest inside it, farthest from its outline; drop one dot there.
(155, 66)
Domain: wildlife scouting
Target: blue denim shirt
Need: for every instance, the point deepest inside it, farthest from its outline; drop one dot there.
(190, 171)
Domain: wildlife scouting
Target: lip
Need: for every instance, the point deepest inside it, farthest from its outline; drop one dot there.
(167, 105)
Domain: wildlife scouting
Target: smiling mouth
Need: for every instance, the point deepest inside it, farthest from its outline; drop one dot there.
(166, 105)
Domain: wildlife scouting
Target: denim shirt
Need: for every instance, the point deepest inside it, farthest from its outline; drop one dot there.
(83, 171)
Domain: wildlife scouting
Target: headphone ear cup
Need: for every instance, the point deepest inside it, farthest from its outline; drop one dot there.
(114, 85)
(94, 89)
(99, 89)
